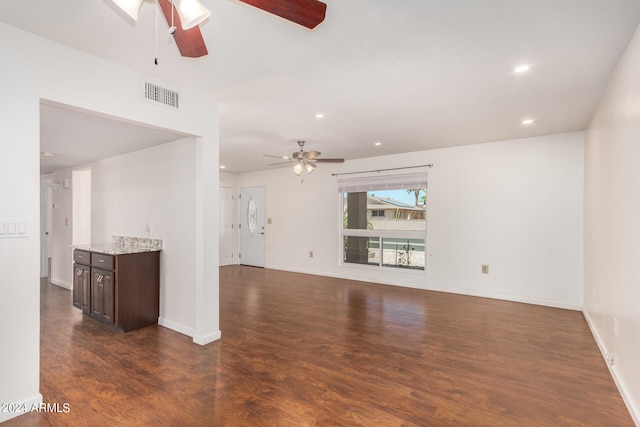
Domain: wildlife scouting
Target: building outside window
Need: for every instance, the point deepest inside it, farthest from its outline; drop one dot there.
(384, 221)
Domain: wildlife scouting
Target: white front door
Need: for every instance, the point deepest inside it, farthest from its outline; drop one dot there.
(252, 226)
(226, 223)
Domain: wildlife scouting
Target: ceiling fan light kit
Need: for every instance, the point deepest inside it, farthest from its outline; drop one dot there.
(298, 168)
(304, 160)
(191, 12)
(130, 7)
(310, 167)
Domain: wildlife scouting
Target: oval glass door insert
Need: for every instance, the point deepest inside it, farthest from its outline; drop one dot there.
(252, 216)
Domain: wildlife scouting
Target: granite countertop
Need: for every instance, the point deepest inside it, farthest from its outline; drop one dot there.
(123, 245)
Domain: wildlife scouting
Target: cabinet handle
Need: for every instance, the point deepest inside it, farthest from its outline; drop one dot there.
(100, 260)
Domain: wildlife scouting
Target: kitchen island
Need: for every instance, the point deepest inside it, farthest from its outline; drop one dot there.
(118, 283)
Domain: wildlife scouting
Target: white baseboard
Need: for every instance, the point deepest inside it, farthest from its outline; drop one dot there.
(190, 332)
(61, 284)
(174, 326)
(633, 411)
(515, 298)
(207, 339)
(20, 408)
(504, 297)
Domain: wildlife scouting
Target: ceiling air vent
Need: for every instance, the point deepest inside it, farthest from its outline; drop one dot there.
(160, 95)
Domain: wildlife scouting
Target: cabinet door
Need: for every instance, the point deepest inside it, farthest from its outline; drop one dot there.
(102, 294)
(81, 287)
(85, 300)
(77, 285)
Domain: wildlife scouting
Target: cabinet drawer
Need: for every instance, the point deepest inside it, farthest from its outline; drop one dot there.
(102, 261)
(82, 257)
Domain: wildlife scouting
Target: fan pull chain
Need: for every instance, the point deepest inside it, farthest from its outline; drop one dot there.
(156, 19)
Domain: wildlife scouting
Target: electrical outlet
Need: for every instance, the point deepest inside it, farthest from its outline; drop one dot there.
(310, 254)
(485, 269)
(615, 327)
(609, 358)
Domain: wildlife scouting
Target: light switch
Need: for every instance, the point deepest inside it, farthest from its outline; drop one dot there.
(12, 228)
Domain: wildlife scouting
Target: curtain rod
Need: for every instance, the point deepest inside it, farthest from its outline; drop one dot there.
(381, 170)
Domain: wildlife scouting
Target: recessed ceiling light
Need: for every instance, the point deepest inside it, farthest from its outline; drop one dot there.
(223, 167)
(377, 143)
(319, 116)
(521, 68)
(527, 121)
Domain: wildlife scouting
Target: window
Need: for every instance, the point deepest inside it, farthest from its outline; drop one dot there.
(384, 221)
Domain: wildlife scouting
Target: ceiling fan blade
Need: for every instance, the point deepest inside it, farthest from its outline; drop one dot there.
(313, 154)
(276, 157)
(190, 42)
(279, 163)
(308, 13)
(329, 160)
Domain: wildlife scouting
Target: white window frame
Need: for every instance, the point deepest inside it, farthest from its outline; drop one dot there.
(377, 183)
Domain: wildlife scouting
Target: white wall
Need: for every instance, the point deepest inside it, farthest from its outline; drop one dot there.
(514, 205)
(19, 268)
(611, 225)
(81, 195)
(36, 69)
(155, 186)
(228, 179)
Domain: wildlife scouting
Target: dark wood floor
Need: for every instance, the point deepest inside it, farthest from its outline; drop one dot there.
(301, 350)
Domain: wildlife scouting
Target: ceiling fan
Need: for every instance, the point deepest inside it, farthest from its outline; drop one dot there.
(304, 160)
(186, 32)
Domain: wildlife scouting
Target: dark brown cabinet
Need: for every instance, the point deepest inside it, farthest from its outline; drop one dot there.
(121, 290)
(102, 295)
(81, 287)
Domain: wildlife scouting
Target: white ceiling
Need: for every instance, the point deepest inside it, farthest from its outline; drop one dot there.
(76, 137)
(412, 74)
